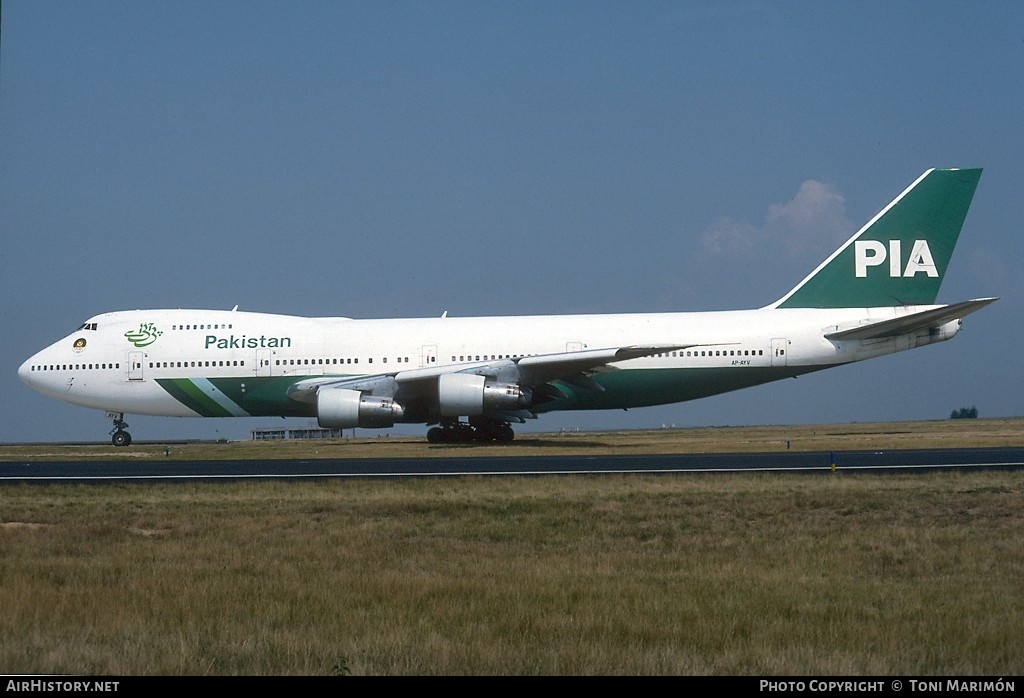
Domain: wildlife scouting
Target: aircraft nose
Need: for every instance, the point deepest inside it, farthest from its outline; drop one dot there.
(32, 375)
(25, 372)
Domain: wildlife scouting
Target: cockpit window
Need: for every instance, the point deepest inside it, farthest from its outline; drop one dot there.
(88, 326)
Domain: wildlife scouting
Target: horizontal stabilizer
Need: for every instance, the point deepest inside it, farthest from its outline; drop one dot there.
(925, 319)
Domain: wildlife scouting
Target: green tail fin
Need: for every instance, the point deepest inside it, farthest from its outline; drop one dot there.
(900, 256)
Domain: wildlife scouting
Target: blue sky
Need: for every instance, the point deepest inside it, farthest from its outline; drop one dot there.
(401, 159)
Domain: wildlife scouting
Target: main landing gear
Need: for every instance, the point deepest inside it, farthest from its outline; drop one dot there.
(479, 429)
(118, 435)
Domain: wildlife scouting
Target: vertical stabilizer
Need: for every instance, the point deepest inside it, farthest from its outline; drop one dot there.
(901, 255)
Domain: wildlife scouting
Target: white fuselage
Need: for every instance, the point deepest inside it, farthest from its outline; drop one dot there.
(230, 363)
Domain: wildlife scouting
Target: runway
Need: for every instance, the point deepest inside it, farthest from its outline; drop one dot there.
(169, 470)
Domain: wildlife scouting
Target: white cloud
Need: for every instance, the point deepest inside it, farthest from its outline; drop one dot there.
(730, 236)
(812, 223)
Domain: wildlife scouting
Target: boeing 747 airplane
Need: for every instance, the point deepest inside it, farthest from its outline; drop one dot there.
(473, 377)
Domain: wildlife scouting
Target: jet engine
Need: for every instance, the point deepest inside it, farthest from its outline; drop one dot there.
(466, 394)
(340, 408)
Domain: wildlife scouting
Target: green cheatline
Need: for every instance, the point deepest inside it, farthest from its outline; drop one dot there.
(237, 397)
(189, 394)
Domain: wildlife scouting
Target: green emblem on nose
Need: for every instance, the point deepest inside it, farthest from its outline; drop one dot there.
(144, 336)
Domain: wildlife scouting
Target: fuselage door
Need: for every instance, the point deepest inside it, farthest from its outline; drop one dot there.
(573, 346)
(779, 349)
(429, 355)
(263, 359)
(135, 365)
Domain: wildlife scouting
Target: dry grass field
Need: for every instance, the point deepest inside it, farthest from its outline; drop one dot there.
(828, 574)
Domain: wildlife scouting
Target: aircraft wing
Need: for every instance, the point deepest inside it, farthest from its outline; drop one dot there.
(926, 319)
(569, 365)
(527, 371)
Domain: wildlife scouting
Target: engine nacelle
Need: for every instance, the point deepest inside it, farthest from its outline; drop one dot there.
(468, 395)
(340, 408)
